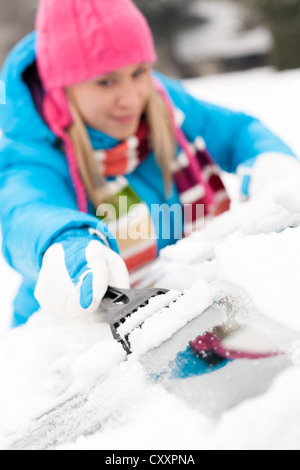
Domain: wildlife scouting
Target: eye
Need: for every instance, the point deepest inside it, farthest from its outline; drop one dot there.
(141, 71)
(107, 82)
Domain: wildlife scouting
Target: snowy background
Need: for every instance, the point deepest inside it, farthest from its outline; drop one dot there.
(46, 362)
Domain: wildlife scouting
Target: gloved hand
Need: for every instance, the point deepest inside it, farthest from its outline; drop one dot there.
(271, 168)
(75, 274)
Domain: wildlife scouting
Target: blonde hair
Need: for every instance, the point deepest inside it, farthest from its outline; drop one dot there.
(162, 138)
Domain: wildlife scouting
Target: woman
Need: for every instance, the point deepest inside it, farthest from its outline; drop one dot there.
(88, 125)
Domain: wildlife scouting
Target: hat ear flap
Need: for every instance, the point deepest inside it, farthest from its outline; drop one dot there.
(57, 111)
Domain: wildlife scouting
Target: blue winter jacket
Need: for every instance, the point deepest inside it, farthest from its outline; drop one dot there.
(37, 198)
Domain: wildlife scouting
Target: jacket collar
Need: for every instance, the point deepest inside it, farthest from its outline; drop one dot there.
(100, 140)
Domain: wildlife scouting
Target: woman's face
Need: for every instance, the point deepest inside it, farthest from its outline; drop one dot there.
(114, 103)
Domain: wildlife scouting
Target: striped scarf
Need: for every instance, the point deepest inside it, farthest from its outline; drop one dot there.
(197, 177)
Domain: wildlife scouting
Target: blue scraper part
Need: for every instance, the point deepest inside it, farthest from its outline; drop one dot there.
(189, 364)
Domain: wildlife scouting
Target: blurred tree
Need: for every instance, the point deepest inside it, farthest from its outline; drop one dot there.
(283, 18)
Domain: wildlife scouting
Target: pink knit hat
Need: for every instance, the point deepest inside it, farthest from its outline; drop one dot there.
(78, 40)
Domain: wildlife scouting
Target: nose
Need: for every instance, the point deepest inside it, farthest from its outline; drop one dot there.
(128, 96)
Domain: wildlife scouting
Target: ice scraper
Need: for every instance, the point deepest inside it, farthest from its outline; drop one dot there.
(121, 304)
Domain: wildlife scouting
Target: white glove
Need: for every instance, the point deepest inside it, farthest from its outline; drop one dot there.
(75, 274)
(271, 168)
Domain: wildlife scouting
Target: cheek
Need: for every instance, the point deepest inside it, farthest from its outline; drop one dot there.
(94, 104)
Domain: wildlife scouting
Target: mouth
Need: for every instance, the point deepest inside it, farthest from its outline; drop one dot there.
(124, 119)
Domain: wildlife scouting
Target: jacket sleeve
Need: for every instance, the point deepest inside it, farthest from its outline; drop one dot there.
(37, 203)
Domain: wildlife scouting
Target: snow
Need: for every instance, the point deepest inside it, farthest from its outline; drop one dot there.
(272, 97)
(270, 421)
(263, 255)
(254, 247)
